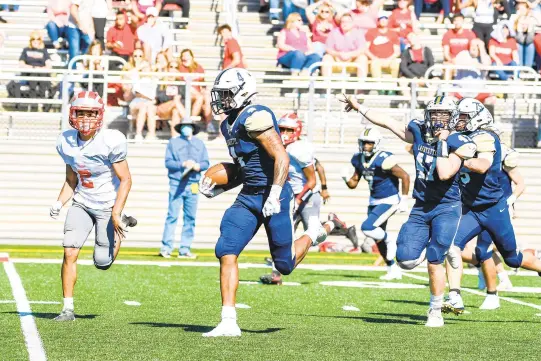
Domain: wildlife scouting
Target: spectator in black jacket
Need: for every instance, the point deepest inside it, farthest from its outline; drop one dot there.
(416, 59)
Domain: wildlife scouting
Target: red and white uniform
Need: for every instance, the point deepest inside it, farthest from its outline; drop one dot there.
(301, 155)
(92, 161)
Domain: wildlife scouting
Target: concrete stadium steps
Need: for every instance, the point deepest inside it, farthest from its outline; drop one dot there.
(31, 174)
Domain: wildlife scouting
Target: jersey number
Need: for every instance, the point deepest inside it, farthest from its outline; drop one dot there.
(234, 156)
(85, 174)
(423, 159)
(370, 180)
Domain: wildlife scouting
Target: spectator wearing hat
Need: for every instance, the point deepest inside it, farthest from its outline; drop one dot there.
(503, 49)
(383, 49)
(156, 37)
(185, 158)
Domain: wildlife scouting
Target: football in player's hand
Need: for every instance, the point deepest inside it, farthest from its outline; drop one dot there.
(222, 173)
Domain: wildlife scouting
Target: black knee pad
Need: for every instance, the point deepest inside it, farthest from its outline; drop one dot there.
(512, 258)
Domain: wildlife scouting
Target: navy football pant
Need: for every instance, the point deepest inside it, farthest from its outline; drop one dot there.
(431, 227)
(494, 225)
(242, 220)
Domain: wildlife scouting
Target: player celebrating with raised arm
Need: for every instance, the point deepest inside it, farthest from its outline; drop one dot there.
(486, 208)
(434, 219)
(301, 178)
(98, 178)
(261, 166)
(380, 169)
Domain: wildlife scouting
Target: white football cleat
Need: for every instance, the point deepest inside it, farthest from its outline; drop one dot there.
(393, 273)
(491, 302)
(321, 237)
(226, 328)
(435, 319)
(454, 305)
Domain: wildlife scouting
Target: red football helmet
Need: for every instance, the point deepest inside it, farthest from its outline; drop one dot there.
(90, 101)
(290, 121)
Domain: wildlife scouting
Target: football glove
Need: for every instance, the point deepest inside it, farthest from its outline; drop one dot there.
(403, 205)
(208, 188)
(55, 209)
(272, 204)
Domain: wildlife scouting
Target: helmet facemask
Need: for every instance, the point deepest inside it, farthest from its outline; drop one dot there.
(363, 148)
(436, 121)
(86, 121)
(223, 100)
(287, 135)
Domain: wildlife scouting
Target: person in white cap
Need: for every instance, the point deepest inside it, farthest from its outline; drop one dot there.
(155, 36)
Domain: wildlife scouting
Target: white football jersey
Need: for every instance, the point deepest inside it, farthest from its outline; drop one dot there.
(301, 155)
(92, 162)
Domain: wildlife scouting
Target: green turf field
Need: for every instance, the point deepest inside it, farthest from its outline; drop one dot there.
(304, 322)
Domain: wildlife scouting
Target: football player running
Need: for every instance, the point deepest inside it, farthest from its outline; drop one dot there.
(301, 178)
(252, 135)
(99, 180)
(434, 219)
(380, 169)
(486, 208)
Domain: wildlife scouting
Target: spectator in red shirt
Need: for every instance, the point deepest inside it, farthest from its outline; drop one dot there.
(383, 49)
(233, 57)
(121, 37)
(345, 44)
(503, 49)
(365, 14)
(199, 95)
(295, 47)
(537, 44)
(403, 20)
(456, 40)
(321, 18)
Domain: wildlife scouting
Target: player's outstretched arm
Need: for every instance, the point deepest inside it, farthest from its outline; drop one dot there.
(378, 118)
(271, 142)
(122, 171)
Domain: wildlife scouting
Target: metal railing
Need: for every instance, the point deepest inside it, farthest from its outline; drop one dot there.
(313, 96)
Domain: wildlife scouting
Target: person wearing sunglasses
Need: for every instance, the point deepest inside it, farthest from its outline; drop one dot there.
(321, 19)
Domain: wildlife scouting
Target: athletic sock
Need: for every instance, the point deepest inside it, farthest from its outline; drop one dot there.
(382, 247)
(492, 293)
(68, 303)
(436, 302)
(503, 276)
(229, 313)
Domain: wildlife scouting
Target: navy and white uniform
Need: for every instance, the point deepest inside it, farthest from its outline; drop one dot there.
(96, 189)
(485, 205)
(383, 187)
(242, 220)
(301, 156)
(435, 217)
(384, 197)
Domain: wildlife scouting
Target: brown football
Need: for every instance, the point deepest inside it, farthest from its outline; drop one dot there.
(222, 173)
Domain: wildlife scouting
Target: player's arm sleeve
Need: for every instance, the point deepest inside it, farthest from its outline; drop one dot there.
(485, 143)
(259, 121)
(389, 162)
(355, 162)
(119, 148)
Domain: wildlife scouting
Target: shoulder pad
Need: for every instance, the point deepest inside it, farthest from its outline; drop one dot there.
(415, 123)
(389, 161)
(510, 157)
(302, 152)
(258, 119)
(356, 161)
(117, 144)
(484, 141)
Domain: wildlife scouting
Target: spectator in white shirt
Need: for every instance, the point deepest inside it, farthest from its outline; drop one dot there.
(155, 36)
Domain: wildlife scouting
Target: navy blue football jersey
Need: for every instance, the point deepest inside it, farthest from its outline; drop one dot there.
(428, 186)
(484, 189)
(376, 171)
(256, 165)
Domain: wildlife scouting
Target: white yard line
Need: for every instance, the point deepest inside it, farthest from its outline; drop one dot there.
(36, 302)
(28, 324)
(479, 293)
